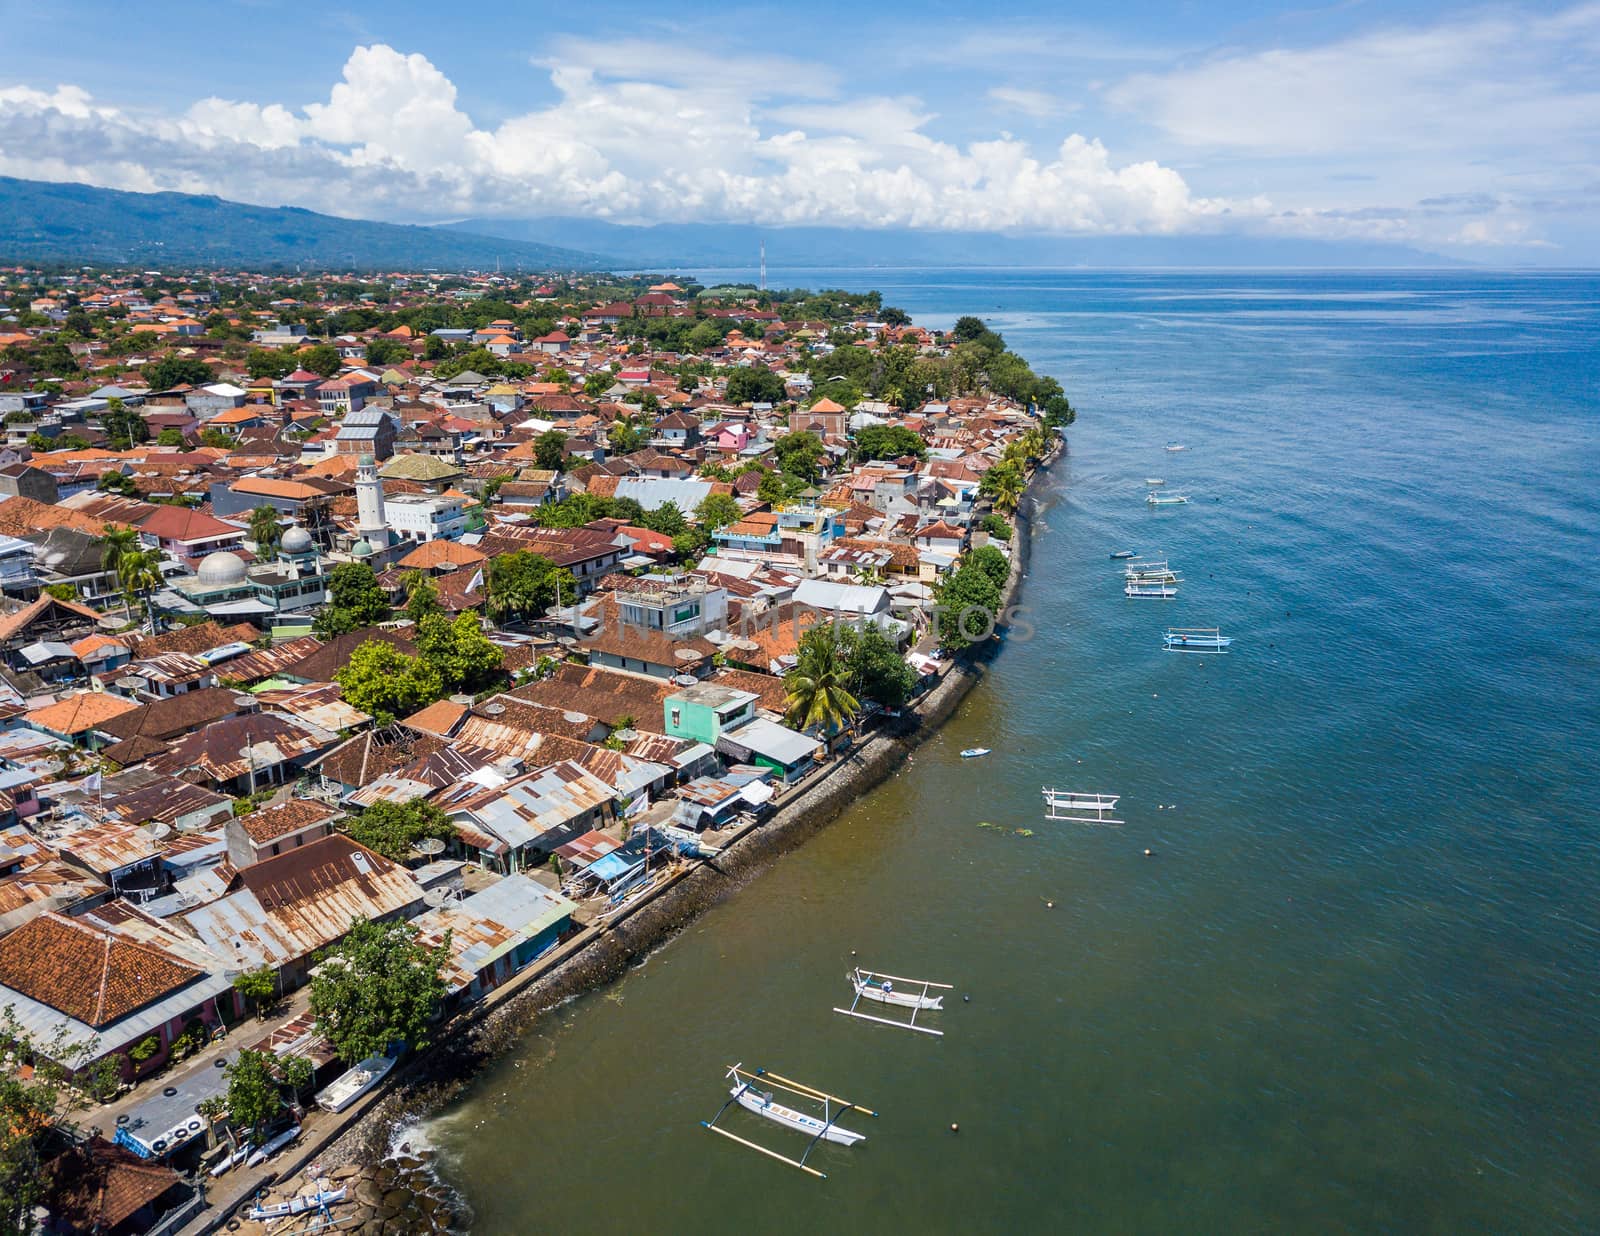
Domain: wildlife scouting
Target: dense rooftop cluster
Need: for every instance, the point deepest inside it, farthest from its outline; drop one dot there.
(448, 602)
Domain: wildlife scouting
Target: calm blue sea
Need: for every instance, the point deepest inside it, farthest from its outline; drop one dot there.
(1355, 988)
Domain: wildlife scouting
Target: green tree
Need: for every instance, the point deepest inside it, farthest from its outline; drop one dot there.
(170, 437)
(771, 488)
(754, 386)
(375, 987)
(597, 384)
(386, 352)
(265, 531)
(321, 359)
(268, 363)
(889, 442)
(1003, 485)
(435, 349)
(385, 684)
(259, 985)
(170, 371)
(124, 428)
(422, 597)
(717, 511)
(875, 668)
(800, 454)
(395, 829)
(457, 651)
(253, 1098)
(991, 562)
(969, 328)
(970, 603)
(816, 690)
(525, 583)
(354, 600)
(115, 545)
(996, 527)
(666, 519)
(549, 450)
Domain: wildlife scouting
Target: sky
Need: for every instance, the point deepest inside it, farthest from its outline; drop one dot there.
(1471, 131)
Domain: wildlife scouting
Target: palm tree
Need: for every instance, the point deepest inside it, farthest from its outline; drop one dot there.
(139, 572)
(816, 690)
(117, 544)
(264, 531)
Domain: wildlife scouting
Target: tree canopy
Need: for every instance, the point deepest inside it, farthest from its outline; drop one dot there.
(375, 987)
(457, 651)
(754, 386)
(394, 829)
(889, 442)
(970, 601)
(354, 600)
(800, 454)
(525, 583)
(170, 371)
(386, 684)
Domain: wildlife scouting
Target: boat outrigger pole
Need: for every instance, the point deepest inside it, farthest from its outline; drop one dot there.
(826, 1129)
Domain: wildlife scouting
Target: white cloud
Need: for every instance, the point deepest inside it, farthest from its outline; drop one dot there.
(1035, 103)
(1500, 80)
(767, 141)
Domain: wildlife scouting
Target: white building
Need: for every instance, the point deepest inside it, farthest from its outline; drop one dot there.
(425, 517)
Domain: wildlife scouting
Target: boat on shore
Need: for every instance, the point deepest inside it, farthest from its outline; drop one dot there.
(972, 753)
(265, 1152)
(352, 1084)
(1155, 499)
(298, 1205)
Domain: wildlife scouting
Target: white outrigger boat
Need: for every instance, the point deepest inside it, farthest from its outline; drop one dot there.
(1074, 807)
(1195, 639)
(1155, 571)
(913, 995)
(824, 1128)
(320, 1200)
(1155, 499)
(262, 1153)
(1155, 480)
(972, 753)
(1151, 591)
(1176, 446)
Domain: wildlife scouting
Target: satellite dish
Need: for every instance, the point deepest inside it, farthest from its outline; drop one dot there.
(436, 897)
(430, 845)
(160, 832)
(494, 710)
(685, 680)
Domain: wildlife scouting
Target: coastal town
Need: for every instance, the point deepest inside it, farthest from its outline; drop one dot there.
(372, 647)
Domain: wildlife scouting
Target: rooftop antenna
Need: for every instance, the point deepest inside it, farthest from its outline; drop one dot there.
(763, 265)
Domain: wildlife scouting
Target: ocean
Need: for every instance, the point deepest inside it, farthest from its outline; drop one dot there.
(1353, 988)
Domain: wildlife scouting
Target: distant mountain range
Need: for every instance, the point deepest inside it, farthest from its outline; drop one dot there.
(43, 222)
(668, 245)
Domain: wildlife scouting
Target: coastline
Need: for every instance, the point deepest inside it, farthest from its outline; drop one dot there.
(357, 1149)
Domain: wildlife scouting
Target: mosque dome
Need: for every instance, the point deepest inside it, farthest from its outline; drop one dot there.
(361, 549)
(296, 541)
(221, 569)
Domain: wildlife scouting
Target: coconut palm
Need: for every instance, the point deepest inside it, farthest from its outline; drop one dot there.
(265, 532)
(139, 573)
(115, 545)
(816, 691)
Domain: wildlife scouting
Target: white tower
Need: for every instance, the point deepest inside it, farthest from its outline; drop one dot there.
(370, 520)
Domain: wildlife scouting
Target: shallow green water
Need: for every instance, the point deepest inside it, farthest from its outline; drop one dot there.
(1353, 989)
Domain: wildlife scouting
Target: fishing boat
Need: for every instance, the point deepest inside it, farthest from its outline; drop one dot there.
(764, 1103)
(1156, 571)
(298, 1205)
(972, 753)
(1124, 553)
(1155, 480)
(1148, 592)
(1155, 499)
(352, 1084)
(265, 1152)
(1176, 446)
(1195, 639)
(1075, 807)
(913, 994)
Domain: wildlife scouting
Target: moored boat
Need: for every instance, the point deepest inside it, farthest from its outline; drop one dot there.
(762, 1103)
(972, 753)
(1195, 639)
(1155, 499)
(352, 1084)
(1155, 480)
(880, 987)
(1124, 553)
(1156, 592)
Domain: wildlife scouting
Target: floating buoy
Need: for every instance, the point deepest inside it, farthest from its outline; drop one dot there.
(966, 999)
(852, 952)
(955, 1128)
(1149, 853)
(1049, 905)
